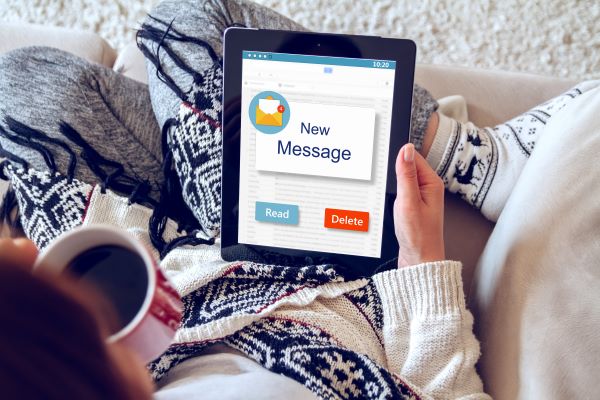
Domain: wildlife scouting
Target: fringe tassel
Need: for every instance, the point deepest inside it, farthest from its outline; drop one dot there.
(173, 34)
(110, 173)
(29, 143)
(136, 189)
(155, 59)
(171, 193)
(112, 176)
(12, 157)
(158, 36)
(31, 134)
(8, 205)
(36, 140)
(161, 35)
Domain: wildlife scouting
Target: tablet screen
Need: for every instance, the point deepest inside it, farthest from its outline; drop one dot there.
(314, 150)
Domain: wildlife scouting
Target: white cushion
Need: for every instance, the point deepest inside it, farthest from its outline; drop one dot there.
(536, 294)
(131, 63)
(87, 45)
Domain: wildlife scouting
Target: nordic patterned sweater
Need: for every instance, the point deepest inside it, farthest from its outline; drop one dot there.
(403, 333)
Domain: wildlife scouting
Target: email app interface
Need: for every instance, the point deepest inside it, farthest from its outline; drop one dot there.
(314, 152)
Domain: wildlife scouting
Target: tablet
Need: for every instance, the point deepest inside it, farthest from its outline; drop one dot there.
(312, 125)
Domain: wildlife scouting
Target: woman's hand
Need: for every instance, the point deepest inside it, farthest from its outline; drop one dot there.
(18, 252)
(418, 210)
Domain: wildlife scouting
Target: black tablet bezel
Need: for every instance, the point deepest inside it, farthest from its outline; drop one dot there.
(236, 41)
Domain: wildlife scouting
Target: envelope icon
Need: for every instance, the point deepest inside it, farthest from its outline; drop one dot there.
(267, 112)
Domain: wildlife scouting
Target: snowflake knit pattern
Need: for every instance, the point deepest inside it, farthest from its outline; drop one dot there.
(49, 203)
(196, 145)
(482, 165)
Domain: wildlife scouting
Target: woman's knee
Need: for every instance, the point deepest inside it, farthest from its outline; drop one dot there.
(25, 59)
(41, 70)
(39, 88)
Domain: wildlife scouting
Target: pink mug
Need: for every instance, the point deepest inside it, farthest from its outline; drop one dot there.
(153, 327)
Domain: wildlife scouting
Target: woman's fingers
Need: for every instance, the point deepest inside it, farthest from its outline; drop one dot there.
(418, 210)
(416, 180)
(431, 187)
(406, 175)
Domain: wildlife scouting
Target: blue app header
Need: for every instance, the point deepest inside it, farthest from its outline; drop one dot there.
(323, 60)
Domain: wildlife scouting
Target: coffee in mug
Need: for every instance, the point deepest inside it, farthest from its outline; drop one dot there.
(117, 273)
(123, 272)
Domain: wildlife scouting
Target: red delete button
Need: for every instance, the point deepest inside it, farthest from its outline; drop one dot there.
(347, 219)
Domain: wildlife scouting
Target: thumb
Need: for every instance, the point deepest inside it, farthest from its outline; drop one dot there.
(406, 174)
(430, 184)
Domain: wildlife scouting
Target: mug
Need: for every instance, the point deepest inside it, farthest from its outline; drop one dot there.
(153, 327)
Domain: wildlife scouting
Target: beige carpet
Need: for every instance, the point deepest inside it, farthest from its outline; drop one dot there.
(551, 37)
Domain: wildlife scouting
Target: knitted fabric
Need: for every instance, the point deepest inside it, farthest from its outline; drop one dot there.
(309, 323)
(196, 146)
(244, 305)
(482, 165)
(285, 344)
(235, 306)
(49, 203)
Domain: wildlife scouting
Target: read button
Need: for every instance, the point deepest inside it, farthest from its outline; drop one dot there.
(347, 219)
(276, 213)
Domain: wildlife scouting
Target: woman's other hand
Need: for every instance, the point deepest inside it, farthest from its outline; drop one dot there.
(18, 252)
(418, 210)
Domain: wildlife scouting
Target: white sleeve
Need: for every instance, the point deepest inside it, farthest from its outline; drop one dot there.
(428, 332)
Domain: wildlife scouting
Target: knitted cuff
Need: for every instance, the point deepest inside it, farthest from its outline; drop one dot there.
(423, 106)
(425, 290)
(446, 128)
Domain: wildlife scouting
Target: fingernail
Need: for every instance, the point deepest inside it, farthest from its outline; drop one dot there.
(409, 153)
